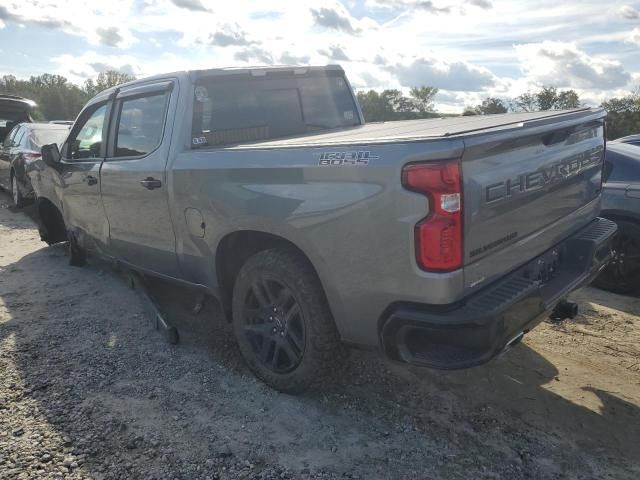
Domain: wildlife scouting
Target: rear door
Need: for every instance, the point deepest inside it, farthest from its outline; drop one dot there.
(134, 182)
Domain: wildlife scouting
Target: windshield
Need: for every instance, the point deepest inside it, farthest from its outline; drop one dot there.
(239, 109)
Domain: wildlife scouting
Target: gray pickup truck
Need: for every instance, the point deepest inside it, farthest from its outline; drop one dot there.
(439, 242)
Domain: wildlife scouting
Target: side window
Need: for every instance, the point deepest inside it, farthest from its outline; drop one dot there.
(624, 170)
(140, 125)
(17, 139)
(86, 141)
(8, 141)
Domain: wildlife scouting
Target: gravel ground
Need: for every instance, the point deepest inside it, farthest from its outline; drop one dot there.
(88, 390)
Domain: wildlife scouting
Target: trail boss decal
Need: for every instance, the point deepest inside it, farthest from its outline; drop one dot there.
(337, 159)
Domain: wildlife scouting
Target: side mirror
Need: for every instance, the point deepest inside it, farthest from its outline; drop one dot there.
(51, 154)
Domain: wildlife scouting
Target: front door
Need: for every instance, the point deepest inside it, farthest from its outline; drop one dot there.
(79, 176)
(134, 183)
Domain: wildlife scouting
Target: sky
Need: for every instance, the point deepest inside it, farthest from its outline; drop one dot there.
(468, 49)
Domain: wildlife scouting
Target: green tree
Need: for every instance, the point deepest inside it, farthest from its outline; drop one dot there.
(527, 102)
(56, 98)
(547, 98)
(489, 106)
(422, 98)
(568, 99)
(105, 80)
(391, 104)
(623, 115)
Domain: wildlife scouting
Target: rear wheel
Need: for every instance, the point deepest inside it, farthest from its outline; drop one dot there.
(622, 273)
(282, 321)
(16, 195)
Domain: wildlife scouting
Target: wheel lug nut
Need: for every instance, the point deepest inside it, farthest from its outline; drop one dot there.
(275, 330)
(270, 318)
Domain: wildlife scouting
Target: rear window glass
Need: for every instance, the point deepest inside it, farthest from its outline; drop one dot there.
(40, 137)
(243, 109)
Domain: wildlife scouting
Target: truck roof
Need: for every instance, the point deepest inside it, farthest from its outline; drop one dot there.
(417, 130)
(258, 70)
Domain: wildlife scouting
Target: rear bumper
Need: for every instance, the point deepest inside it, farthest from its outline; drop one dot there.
(475, 330)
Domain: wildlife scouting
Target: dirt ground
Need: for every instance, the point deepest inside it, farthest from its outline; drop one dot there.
(89, 390)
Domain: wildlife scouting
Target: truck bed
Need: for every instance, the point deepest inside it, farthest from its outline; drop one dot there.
(417, 130)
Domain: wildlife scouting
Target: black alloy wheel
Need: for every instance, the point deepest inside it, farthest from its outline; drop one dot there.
(273, 325)
(622, 275)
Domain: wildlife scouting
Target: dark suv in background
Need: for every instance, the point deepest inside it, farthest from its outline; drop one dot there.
(621, 203)
(13, 110)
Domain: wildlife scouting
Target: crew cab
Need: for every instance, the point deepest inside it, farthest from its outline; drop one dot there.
(439, 242)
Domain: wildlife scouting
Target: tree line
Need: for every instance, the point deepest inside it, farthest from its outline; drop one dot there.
(623, 112)
(56, 97)
(59, 99)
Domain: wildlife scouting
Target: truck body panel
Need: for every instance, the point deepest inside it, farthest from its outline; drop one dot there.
(336, 195)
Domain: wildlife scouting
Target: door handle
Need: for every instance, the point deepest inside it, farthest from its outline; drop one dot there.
(150, 183)
(91, 180)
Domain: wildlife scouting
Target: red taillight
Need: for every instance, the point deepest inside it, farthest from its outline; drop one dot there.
(31, 156)
(439, 235)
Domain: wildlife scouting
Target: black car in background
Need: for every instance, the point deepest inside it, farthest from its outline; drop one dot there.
(621, 203)
(13, 110)
(20, 147)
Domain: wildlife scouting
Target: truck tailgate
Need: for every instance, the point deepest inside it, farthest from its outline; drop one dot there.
(524, 187)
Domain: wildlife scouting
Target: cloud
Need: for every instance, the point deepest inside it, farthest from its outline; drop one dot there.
(110, 36)
(229, 36)
(425, 5)
(630, 13)
(335, 17)
(195, 5)
(290, 59)
(100, 67)
(254, 54)
(564, 65)
(44, 21)
(485, 4)
(457, 75)
(335, 52)
(90, 64)
(634, 36)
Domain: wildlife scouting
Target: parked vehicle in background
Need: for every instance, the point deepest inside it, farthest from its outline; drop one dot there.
(21, 147)
(621, 203)
(13, 110)
(631, 139)
(440, 242)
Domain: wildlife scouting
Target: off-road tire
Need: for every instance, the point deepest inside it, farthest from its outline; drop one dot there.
(622, 278)
(323, 352)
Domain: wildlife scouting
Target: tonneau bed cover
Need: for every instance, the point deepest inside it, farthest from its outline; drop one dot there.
(416, 130)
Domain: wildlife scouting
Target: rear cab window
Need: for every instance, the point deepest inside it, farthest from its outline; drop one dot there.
(230, 109)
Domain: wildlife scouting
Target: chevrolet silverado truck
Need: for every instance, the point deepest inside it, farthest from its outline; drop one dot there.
(439, 241)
